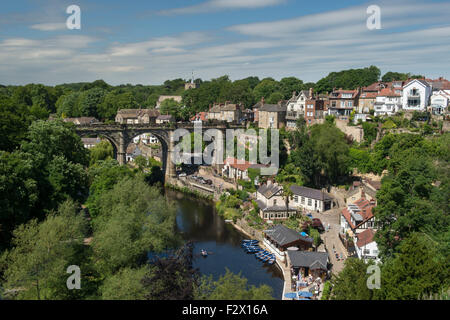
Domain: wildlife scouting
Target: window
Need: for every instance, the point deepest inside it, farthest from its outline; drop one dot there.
(309, 202)
(303, 200)
(350, 103)
(274, 202)
(366, 251)
(296, 199)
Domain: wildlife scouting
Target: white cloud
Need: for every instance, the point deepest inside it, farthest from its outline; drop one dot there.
(218, 5)
(49, 26)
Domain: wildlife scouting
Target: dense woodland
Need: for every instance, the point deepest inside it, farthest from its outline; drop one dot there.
(46, 176)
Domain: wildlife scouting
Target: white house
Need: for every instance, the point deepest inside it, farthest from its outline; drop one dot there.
(309, 199)
(296, 107)
(388, 102)
(272, 203)
(365, 246)
(357, 217)
(416, 95)
(440, 101)
(145, 138)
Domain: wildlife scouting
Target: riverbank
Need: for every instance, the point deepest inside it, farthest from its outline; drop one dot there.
(256, 234)
(191, 192)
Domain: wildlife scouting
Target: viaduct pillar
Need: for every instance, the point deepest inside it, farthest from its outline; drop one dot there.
(121, 152)
(171, 172)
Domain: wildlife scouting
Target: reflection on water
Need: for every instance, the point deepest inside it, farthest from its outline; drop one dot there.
(198, 222)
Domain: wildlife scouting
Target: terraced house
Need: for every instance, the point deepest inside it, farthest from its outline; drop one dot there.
(342, 102)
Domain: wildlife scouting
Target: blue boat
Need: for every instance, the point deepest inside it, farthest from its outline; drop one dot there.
(265, 256)
(262, 253)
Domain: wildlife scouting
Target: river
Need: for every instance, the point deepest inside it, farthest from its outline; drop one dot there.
(197, 221)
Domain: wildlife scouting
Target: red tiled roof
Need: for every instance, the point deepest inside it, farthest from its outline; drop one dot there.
(368, 95)
(365, 208)
(386, 92)
(365, 237)
(238, 164)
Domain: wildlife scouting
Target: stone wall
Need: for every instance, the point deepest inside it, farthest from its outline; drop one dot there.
(356, 132)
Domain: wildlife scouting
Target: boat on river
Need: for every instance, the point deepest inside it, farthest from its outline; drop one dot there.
(204, 253)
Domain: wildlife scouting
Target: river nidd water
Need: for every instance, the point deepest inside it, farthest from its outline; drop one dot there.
(197, 221)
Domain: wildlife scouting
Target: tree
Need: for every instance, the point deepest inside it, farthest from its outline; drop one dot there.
(102, 151)
(140, 217)
(265, 88)
(348, 79)
(417, 270)
(351, 282)
(36, 267)
(231, 287)
(126, 284)
(289, 85)
(172, 277)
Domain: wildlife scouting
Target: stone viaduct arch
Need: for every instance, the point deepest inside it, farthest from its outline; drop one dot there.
(120, 135)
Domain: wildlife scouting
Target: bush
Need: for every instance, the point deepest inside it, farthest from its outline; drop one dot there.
(326, 291)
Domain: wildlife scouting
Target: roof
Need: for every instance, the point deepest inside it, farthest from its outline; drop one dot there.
(310, 193)
(225, 107)
(386, 92)
(81, 120)
(284, 236)
(90, 140)
(200, 116)
(238, 164)
(273, 107)
(368, 95)
(337, 94)
(306, 259)
(165, 117)
(365, 237)
(270, 190)
(421, 81)
(135, 113)
(360, 209)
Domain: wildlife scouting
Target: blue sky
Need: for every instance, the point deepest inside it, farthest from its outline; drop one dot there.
(148, 42)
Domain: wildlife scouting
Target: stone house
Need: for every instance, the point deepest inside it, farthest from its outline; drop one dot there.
(272, 116)
(137, 116)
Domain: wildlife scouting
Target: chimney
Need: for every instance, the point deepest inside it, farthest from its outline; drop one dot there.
(363, 193)
(294, 93)
(262, 101)
(311, 92)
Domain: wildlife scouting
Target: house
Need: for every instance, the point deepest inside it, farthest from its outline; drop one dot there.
(342, 102)
(365, 246)
(357, 217)
(82, 121)
(133, 152)
(248, 115)
(367, 101)
(366, 189)
(314, 109)
(296, 107)
(279, 238)
(440, 100)
(146, 138)
(272, 116)
(164, 118)
(272, 203)
(236, 169)
(308, 263)
(387, 103)
(89, 143)
(227, 111)
(416, 95)
(200, 117)
(137, 116)
(177, 99)
(309, 199)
